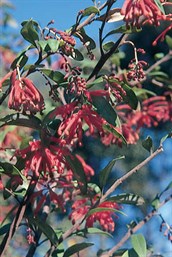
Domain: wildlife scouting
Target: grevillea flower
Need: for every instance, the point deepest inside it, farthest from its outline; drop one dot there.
(105, 217)
(74, 117)
(153, 111)
(114, 87)
(67, 38)
(136, 70)
(24, 95)
(42, 159)
(139, 12)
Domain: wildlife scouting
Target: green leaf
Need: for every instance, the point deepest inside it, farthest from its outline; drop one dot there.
(148, 144)
(165, 137)
(102, 209)
(90, 10)
(96, 81)
(56, 76)
(104, 109)
(76, 249)
(88, 41)
(127, 198)
(107, 46)
(139, 245)
(160, 6)
(5, 228)
(46, 229)
(77, 55)
(115, 133)
(21, 59)
(52, 45)
(42, 44)
(142, 91)
(29, 32)
(19, 120)
(11, 170)
(156, 203)
(130, 253)
(158, 74)
(78, 171)
(104, 174)
(98, 231)
(122, 29)
(168, 40)
(130, 98)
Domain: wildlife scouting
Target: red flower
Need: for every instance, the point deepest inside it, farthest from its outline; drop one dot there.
(43, 159)
(67, 38)
(104, 217)
(154, 110)
(74, 118)
(139, 12)
(24, 95)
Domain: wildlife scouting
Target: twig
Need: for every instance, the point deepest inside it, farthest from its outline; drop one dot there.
(111, 189)
(17, 219)
(131, 172)
(137, 227)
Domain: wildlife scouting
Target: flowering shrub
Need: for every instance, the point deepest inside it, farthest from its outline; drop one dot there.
(41, 166)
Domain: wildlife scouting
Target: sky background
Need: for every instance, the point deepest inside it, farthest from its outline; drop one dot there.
(64, 13)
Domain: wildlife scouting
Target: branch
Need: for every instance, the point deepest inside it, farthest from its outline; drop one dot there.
(111, 189)
(136, 228)
(17, 219)
(130, 173)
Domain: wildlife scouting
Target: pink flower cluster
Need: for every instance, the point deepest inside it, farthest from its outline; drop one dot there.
(104, 213)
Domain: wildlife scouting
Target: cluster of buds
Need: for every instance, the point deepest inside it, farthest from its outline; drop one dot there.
(115, 88)
(136, 71)
(67, 38)
(77, 85)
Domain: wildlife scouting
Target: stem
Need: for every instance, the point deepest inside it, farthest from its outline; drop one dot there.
(136, 228)
(131, 172)
(17, 219)
(111, 189)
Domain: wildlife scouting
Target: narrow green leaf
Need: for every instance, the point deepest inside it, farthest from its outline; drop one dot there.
(122, 29)
(78, 171)
(142, 91)
(95, 82)
(88, 41)
(4, 228)
(168, 40)
(104, 109)
(130, 98)
(115, 133)
(76, 249)
(19, 120)
(56, 76)
(11, 170)
(29, 32)
(165, 137)
(127, 198)
(98, 231)
(160, 6)
(77, 55)
(139, 245)
(148, 144)
(90, 10)
(46, 229)
(104, 174)
(102, 209)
